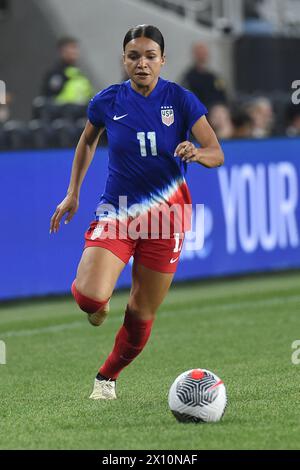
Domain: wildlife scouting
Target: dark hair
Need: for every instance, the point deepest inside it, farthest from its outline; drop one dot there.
(145, 31)
(292, 112)
(66, 40)
(240, 117)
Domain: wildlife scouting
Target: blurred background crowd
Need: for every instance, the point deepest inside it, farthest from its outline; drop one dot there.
(258, 40)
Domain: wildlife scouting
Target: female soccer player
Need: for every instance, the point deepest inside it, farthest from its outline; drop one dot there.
(148, 122)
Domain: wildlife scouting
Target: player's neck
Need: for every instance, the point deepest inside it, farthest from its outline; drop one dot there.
(144, 90)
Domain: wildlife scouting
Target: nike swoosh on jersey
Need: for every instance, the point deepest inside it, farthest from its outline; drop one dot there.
(116, 118)
(173, 260)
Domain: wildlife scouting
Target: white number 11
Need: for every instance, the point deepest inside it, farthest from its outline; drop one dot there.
(152, 137)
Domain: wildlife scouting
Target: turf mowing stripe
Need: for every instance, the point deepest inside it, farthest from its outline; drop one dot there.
(46, 329)
(164, 313)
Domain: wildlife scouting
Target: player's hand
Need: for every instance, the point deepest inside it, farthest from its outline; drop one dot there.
(187, 152)
(68, 206)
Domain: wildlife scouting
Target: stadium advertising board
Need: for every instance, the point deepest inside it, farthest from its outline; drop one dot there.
(252, 213)
(246, 216)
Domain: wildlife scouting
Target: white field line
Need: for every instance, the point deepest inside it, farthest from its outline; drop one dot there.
(46, 329)
(164, 313)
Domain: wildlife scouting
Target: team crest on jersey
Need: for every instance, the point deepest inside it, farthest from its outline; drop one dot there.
(167, 115)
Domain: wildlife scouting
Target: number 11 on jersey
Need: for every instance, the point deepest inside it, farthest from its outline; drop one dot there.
(151, 136)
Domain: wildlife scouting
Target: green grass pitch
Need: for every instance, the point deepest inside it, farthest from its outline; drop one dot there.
(242, 329)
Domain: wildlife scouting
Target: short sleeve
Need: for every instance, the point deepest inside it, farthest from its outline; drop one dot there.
(95, 113)
(97, 108)
(193, 109)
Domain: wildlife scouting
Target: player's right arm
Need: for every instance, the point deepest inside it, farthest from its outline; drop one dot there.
(84, 154)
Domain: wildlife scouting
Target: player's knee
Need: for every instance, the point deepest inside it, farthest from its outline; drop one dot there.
(87, 304)
(140, 312)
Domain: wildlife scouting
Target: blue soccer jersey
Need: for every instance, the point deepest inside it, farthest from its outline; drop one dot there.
(143, 133)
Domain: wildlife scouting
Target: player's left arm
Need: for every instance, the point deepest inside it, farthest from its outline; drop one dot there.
(210, 154)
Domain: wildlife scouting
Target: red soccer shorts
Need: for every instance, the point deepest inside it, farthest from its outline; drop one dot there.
(160, 254)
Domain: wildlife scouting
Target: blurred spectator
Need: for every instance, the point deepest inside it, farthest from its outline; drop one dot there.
(5, 109)
(209, 88)
(13, 133)
(220, 120)
(65, 82)
(261, 112)
(242, 124)
(293, 121)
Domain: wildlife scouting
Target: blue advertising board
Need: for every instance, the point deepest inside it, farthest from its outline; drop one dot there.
(246, 216)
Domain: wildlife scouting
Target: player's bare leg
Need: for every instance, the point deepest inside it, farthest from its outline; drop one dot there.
(149, 288)
(97, 274)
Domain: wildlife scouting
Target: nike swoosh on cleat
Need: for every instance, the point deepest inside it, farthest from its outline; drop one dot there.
(116, 118)
(173, 260)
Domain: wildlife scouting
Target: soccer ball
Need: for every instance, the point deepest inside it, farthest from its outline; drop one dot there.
(198, 395)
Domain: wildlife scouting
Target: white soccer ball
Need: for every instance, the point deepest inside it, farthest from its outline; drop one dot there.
(198, 395)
